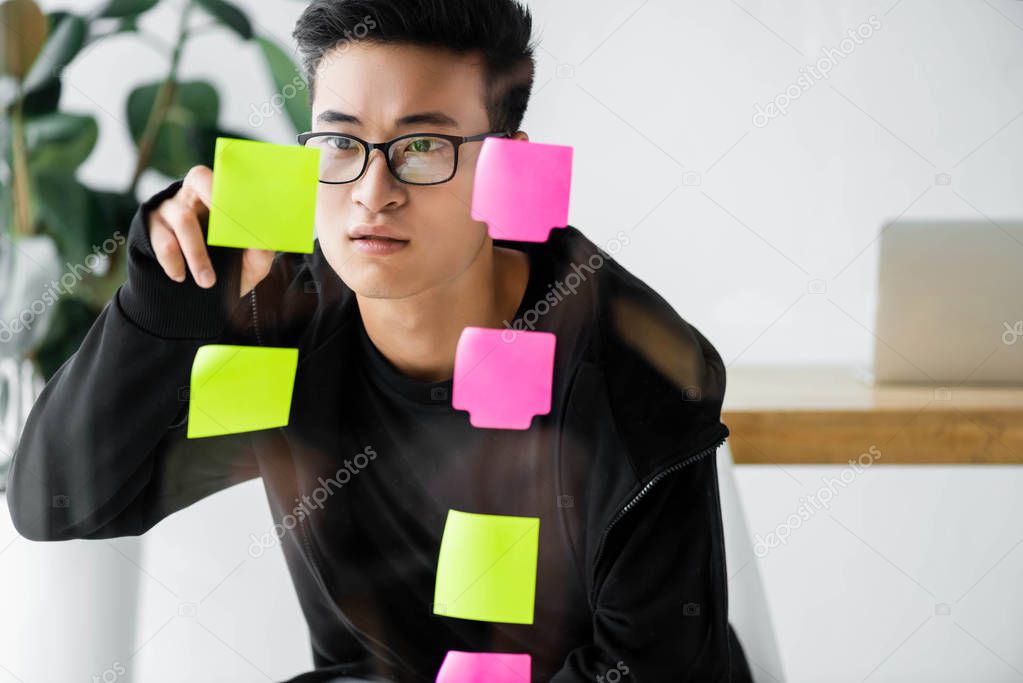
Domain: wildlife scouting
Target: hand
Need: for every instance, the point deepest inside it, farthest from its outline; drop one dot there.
(176, 234)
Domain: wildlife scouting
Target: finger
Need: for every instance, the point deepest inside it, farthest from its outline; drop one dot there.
(166, 249)
(193, 244)
(198, 190)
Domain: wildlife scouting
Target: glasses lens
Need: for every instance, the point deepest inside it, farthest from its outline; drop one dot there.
(341, 157)
(423, 159)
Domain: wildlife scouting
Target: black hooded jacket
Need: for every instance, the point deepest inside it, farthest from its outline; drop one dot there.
(631, 580)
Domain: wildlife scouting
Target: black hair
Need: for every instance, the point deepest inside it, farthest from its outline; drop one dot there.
(500, 30)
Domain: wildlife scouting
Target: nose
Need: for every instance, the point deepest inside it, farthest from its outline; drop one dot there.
(377, 190)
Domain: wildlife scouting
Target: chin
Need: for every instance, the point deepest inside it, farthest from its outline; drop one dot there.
(375, 285)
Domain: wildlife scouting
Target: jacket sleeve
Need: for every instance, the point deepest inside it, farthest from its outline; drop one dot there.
(103, 452)
(661, 611)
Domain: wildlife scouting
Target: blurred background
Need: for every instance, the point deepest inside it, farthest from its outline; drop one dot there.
(753, 151)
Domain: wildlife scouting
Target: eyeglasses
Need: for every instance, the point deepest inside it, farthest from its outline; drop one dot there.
(416, 158)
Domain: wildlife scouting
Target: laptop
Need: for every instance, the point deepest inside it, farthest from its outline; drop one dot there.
(950, 303)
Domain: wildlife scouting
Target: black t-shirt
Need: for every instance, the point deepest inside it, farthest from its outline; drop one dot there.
(376, 544)
(429, 459)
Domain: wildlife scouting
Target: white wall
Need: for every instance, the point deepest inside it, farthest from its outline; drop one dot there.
(911, 573)
(731, 221)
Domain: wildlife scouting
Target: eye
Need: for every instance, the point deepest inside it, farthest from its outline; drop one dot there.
(422, 145)
(339, 143)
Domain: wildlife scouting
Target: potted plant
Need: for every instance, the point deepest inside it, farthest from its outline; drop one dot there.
(62, 258)
(60, 239)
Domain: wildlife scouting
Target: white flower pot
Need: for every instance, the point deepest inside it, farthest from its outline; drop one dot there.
(69, 607)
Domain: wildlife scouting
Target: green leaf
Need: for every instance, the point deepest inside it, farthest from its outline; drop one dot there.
(126, 8)
(175, 153)
(62, 212)
(23, 29)
(229, 15)
(64, 43)
(204, 138)
(59, 141)
(289, 85)
(43, 100)
(194, 105)
(110, 212)
(71, 321)
(194, 102)
(128, 25)
(110, 216)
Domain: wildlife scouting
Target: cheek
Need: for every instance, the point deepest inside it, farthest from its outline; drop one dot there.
(453, 246)
(449, 207)
(331, 207)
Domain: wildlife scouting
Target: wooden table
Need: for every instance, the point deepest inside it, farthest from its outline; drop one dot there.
(825, 415)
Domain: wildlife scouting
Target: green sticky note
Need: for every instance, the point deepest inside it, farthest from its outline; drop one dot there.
(487, 568)
(240, 389)
(264, 196)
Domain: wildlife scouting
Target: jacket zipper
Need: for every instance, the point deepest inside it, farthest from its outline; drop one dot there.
(639, 495)
(255, 316)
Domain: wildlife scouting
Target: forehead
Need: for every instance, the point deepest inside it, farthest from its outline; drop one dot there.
(381, 84)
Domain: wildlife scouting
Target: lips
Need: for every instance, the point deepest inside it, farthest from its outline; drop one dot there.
(378, 246)
(379, 232)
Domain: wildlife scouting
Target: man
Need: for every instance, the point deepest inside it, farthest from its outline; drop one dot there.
(621, 473)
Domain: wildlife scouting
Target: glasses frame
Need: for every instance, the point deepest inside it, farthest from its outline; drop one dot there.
(456, 140)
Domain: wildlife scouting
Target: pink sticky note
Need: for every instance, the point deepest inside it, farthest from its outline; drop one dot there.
(484, 667)
(521, 188)
(503, 377)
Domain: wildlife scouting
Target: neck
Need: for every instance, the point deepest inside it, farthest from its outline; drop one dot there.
(419, 334)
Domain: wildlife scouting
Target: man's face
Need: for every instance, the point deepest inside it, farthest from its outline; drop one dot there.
(379, 85)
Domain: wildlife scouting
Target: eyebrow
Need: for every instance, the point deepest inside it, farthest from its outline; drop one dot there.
(437, 118)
